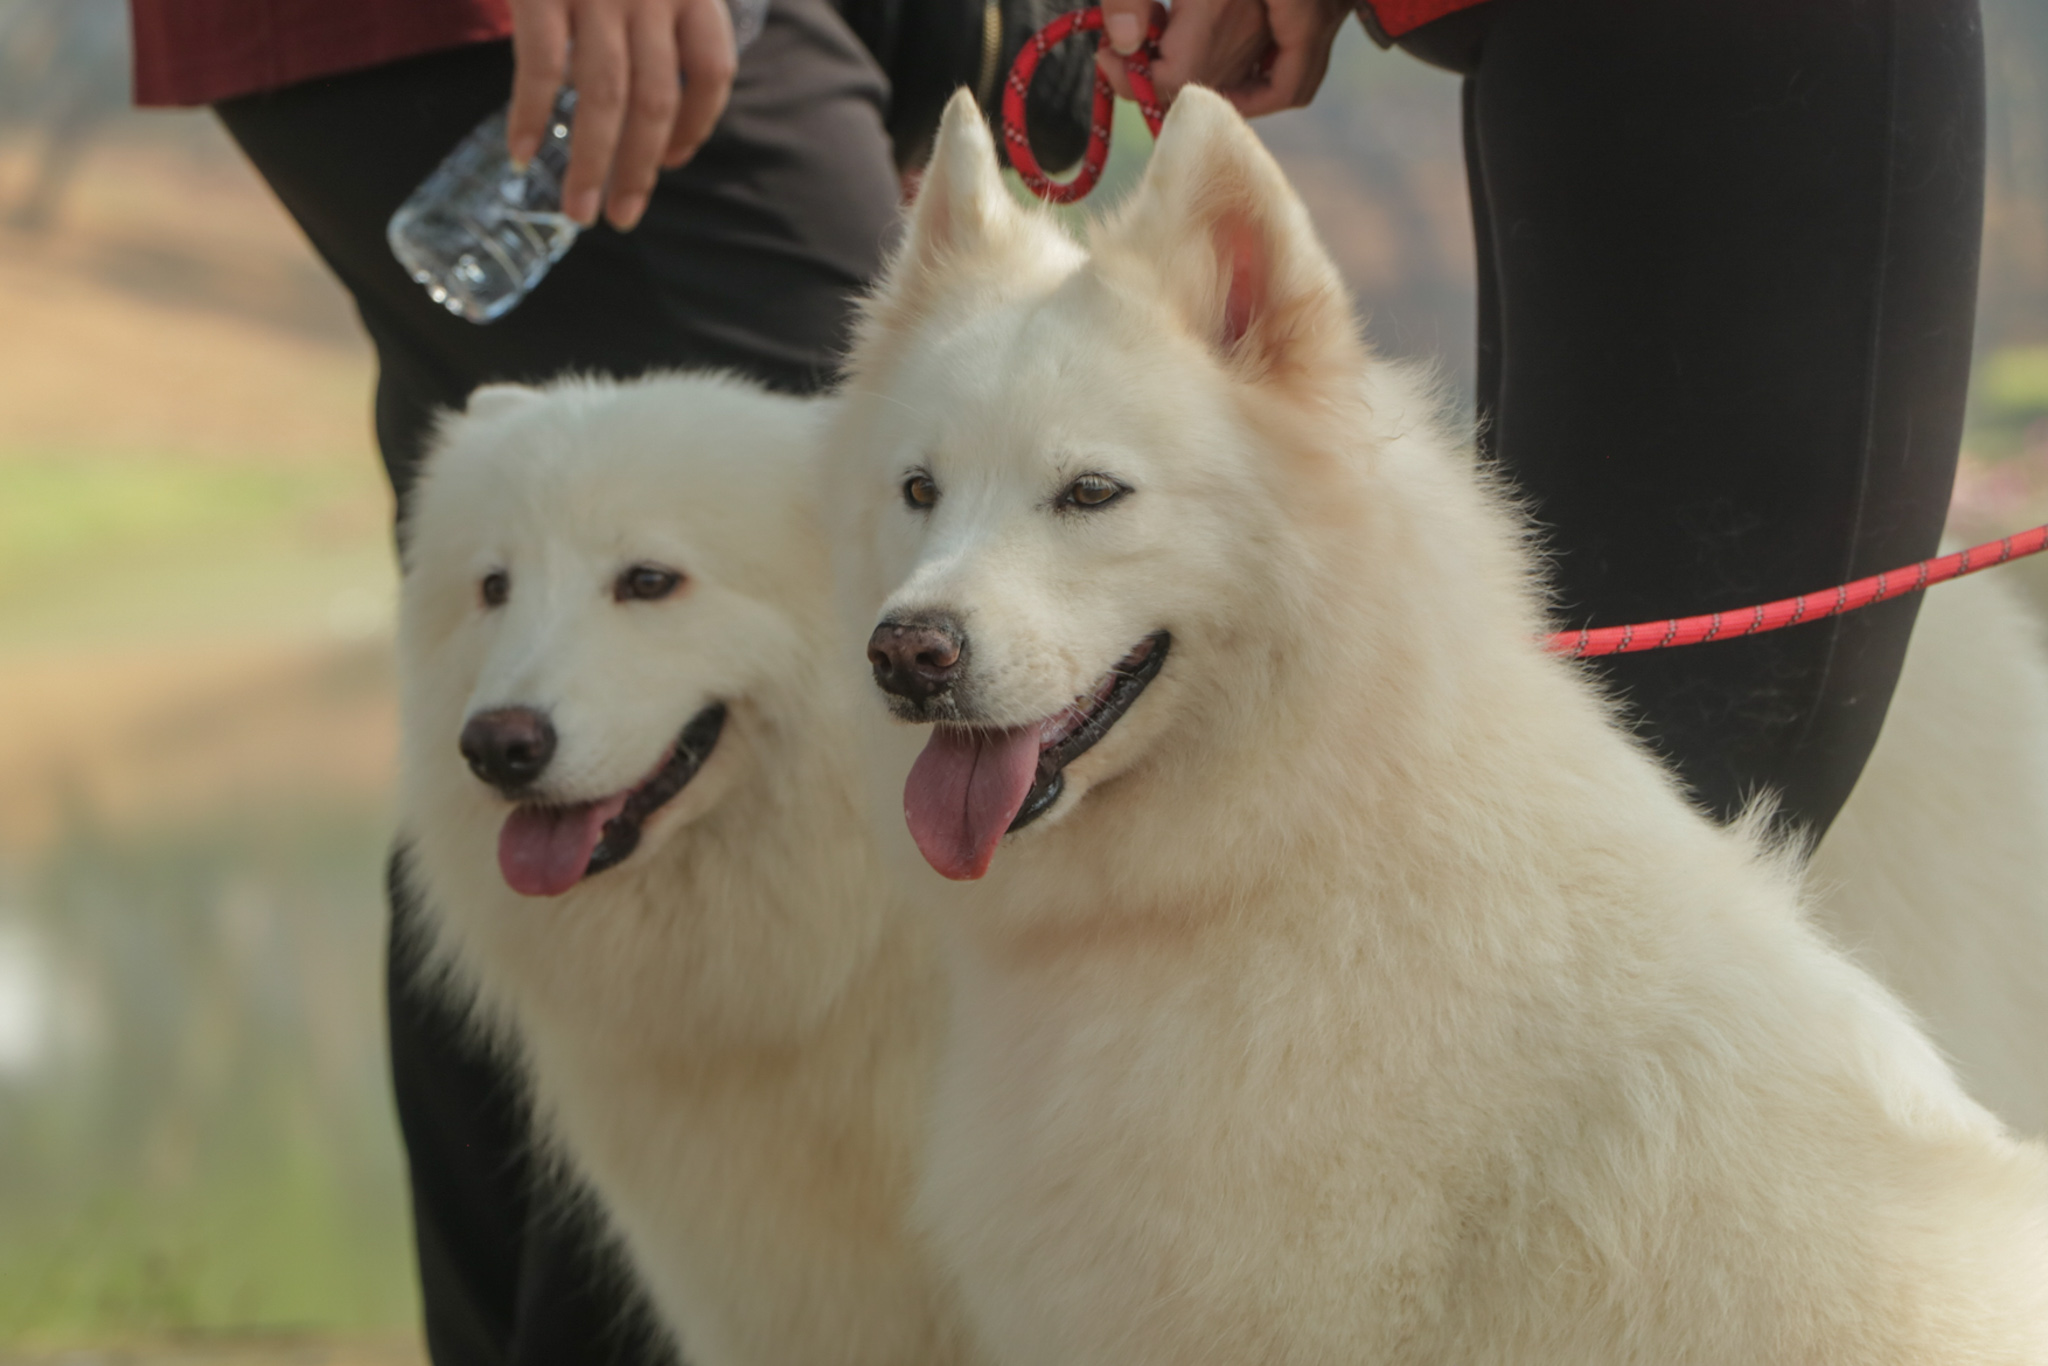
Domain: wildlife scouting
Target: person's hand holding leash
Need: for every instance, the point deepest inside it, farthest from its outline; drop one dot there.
(1261, 55)
(634, 115)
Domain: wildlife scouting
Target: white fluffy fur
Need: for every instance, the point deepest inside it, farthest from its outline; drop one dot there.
(1935, 875)
(728, 1035)
(1367, 997)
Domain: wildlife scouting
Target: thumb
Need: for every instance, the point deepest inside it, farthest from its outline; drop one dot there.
(1123, 24)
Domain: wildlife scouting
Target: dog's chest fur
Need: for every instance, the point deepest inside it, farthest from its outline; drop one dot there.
(758, 1177)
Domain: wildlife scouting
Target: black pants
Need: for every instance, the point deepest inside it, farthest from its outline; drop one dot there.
(747, 258)
(1727, 277)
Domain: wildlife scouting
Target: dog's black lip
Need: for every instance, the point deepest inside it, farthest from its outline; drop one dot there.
(622, 832)
(1131, 679)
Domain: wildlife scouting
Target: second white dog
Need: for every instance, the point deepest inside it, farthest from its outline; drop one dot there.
(634, 826)
(1935, 875)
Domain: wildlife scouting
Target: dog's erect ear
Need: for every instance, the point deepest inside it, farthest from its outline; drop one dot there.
(962, 207)
(494, 400)
(1232, 244)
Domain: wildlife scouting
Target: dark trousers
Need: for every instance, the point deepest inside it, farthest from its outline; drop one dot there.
(748, 259)
(1727, 279)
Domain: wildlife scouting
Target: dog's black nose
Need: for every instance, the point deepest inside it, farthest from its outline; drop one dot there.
(509, 747)
(915, 659)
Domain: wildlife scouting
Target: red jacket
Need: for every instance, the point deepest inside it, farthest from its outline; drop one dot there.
(199, 51)
(1390, 19)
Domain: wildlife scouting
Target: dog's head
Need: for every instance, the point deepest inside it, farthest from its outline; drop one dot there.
(1063, 469)
(596, 599)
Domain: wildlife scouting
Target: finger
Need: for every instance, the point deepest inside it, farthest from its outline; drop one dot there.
(1116, 73)
(1176, 63)
(709, 59)
(540, 59)
(1109, 57)
(1304, 32)
(1123, 24)
(1290, 83)
(651, 108)
(1186, 45)
(1217, 45)
(603, 79)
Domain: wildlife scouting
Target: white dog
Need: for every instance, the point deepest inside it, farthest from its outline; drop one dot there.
(1935, 875)
(634, 825)
(1348, 988)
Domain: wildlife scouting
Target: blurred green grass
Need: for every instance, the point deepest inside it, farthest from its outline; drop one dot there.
(97, 545)
(77, 505)
(2009, 400)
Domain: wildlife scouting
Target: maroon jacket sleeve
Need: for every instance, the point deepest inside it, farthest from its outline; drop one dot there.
(199, 51)
(1387, 20)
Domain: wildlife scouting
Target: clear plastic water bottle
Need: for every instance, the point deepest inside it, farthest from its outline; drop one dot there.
(479, 233)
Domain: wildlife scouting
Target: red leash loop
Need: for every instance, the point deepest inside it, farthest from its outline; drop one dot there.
(1138, 64)
(1771, 616)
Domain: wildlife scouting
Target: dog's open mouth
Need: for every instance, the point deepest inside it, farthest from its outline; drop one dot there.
(972, 786)
(546, 850)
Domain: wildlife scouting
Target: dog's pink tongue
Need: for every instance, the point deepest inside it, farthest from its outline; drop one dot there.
(964, 791)
(542, 851)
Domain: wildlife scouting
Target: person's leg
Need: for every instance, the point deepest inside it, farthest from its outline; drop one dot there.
(747, 258)
(464, 1123)
(1727, 288)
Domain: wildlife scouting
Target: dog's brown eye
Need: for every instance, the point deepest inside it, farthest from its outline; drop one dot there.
(496, 587)
(921, 491)
(645, 583)
(1092, 491)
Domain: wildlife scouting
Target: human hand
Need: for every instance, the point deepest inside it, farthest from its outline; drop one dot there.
(1261, 55)
(634, 114)
(1207, 42)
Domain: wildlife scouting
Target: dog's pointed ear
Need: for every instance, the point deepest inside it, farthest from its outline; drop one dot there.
(488, 401)
(1232, 245)
(961, 202)
(962, 207)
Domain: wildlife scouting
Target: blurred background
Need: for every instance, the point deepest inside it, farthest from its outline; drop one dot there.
(198, 1162)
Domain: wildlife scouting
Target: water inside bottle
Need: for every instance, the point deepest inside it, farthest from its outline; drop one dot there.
(480, 233)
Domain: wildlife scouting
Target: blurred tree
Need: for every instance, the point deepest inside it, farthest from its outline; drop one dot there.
(63, 73)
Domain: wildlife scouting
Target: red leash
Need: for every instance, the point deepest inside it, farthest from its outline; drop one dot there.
(1772, 616)
(1138, 64)
(1589, 642)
